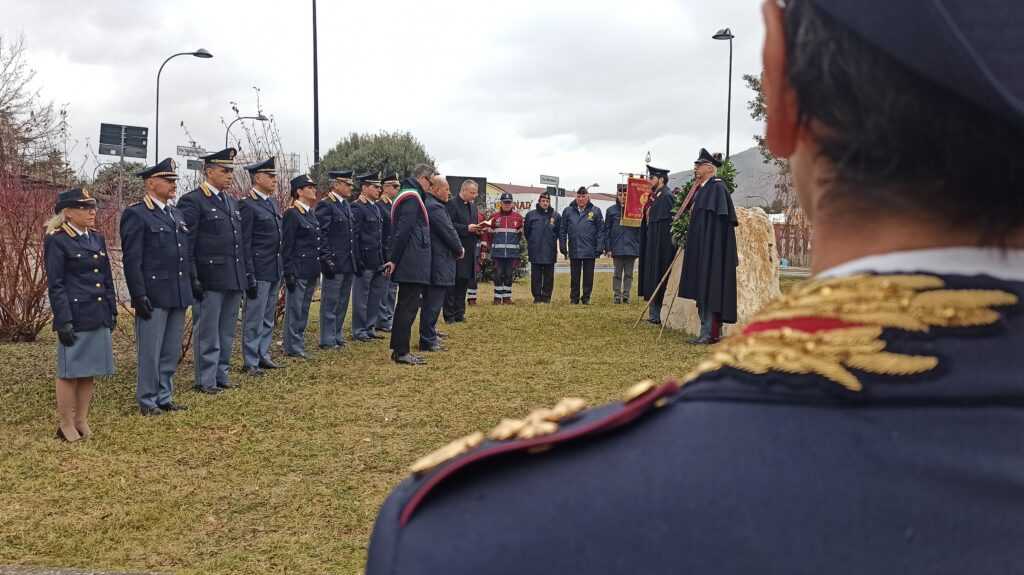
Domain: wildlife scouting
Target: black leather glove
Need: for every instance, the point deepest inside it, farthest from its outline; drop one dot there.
(113, 322)
(251, 291)
(197, 289)
(289, 282)
(66, 334)
(328, 268)
(143, 308)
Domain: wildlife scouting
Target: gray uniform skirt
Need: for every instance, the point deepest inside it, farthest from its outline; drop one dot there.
(91, 355)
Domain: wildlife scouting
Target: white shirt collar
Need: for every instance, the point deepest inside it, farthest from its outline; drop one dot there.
(337, 197)
(212, 189)
(260, 194)
(158, 203)
(78, 231)
(303, 204)
(963, 261)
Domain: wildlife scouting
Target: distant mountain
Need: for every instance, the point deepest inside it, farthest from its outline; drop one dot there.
(755, 180)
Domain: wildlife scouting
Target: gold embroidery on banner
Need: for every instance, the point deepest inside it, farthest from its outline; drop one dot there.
(638, 389)
(912, 303)
(446, 453)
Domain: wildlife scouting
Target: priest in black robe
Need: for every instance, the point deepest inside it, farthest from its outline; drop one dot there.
(710, 260)
(656, 249)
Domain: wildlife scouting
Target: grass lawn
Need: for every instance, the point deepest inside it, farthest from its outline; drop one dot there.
(286, 473)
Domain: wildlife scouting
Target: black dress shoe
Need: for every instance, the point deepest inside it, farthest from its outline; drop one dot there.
(173, 407)
(269, 364)
(150, 411)
(363, 338)
(704, 340)
(384, 329)
(228, 385)
(432, 348)
(654, 321)
(208, 390)
(407, 359)
(329, 347)
(377, 336)
(442, 334)
(301, 355)
(253, 371)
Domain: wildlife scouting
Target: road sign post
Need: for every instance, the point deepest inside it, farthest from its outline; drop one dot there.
(551, 181)
(118, 140)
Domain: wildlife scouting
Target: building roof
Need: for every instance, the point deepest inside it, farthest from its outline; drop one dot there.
(536, 191)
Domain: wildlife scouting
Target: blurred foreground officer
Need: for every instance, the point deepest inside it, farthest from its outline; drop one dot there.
(541, 230)
(215, 239)
(656, 248)
(300, 254)
(623, 244)
(409, 266)
(81, 290)
(445, 250)
(158, 271)
(340, 262)
(389, 190)
(261, 238)
(581, 239)
(369, 284)
(464, 216)
(870, 420)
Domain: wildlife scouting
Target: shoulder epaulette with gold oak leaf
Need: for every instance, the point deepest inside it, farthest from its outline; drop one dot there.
(828, 327)
(538, 432)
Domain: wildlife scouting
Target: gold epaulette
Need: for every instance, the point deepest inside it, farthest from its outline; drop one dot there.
(830, 327)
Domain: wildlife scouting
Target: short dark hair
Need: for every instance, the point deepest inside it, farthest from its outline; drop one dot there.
(899, 141)
(423, 170)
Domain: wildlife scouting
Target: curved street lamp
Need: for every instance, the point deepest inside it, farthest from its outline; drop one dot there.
(259, 118)
(726, 34)
(200, 53)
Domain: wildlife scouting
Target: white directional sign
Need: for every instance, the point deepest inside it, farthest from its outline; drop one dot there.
(549, 180)
(191, 151)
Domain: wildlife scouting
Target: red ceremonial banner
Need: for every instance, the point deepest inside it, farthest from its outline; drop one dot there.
(638, 190)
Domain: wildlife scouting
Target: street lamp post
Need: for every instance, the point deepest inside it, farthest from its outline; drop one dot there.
(726, 34)
(259, 118)
(200, 53)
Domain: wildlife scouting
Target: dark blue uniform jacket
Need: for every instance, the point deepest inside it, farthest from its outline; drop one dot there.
(892, 444)
(79, 279)
(156, 255)
(410, 239)
(583, 230)
(300, 243)
(541, 230)
(215, 237)
(369, 235)
(261, 238)
(619, 239)
(338, 232)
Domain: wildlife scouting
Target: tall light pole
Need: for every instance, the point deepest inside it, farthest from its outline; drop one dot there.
(259, 118)
(726, 34)
(200, 53)
(316, 97)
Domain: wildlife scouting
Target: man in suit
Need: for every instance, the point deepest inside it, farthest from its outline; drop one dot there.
(261, 238)
(445, 250)
(369, 283)
(158, 271)
(868, 421)
(215, 239)
(409, 266)
(463, 214)
(341, 251)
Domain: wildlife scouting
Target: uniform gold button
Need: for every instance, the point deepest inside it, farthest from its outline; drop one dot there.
(96, 271)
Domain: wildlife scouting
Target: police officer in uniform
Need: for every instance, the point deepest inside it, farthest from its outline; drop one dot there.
(300, 253)
(81, 290)
(870, 420)
(340, 261)
(215, 239)
(369, 284)
(656, 248)
(389, 189)
(261, 238)
(158, 270)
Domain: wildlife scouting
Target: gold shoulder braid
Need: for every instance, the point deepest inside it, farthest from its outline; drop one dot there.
(827, 327)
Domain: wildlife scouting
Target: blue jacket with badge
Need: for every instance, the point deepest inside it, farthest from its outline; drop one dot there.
(300, 243)
(215, 238)
(79, 281)
(369, 235)
(838, 433)
(621, 240)
(338, 233)
(410, 236)
(156, 255)
(445, 245)
(261, 238)
(583, 230)
(541, 231)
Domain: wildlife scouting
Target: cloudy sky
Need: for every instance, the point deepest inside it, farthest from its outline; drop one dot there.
(509, 90)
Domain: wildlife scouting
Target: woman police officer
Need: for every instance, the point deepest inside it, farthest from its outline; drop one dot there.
(81, 290)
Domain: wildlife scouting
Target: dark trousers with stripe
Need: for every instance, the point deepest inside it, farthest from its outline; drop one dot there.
(504, 270)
